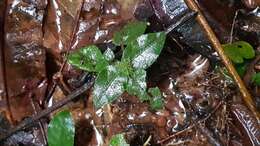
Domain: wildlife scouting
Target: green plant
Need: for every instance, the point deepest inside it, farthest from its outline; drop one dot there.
(118, 140)
(114, 77)
(61, 130)
(239, 53)
(256, 79)
(127, 74)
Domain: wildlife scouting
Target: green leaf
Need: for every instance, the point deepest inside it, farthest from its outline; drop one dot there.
(118, 140)
(156, 102)
(89, 59)
(109, 85)
(124, 67)
(241, 69)
(129, 33)
(109, 55)
(256, 79)
(239, 51)
(61, 130)
(144, 51)
(137, 84)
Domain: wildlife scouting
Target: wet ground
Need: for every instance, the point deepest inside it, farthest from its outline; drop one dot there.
(203, 105)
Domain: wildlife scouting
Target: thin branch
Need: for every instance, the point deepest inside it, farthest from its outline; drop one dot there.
(39, 122)
(212, 139)
(30, 121)
(190, 127)
(67, 54)
(189, 16)
(233, 27)
(226, 61)
(148, 141)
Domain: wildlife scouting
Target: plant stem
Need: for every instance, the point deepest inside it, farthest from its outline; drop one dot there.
(29, 122)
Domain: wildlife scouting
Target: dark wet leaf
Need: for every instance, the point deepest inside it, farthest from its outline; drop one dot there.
(23, 138)
(109, 55)
(89, 59)
(25, 57)
(239, 51)
(256, 79)
(129, 33)
(118, 140)
(61, 20)
(137, 84)
(144, 51)
(156, 102)
(61, 130)
(109, 85)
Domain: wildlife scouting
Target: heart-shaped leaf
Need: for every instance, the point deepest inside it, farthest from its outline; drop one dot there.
(89, 59)
(144, 51)
(129, 33)
(239, 51)
(61, 130)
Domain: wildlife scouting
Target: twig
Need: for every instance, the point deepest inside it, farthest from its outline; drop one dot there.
(227, 62)
(192, 126)
(210, 136)
(185, 18)
(28, 122)
(72, 37)
(212, 139)
(148, 141)
(39, 123)
(66, 54)
(233, 26)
